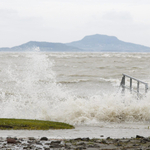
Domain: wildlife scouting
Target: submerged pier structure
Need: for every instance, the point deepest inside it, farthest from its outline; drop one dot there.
(130, 86)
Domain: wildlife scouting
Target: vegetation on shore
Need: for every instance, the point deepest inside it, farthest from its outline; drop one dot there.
(25, 124)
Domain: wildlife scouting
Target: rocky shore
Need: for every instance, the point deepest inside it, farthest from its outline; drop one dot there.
(31, 143)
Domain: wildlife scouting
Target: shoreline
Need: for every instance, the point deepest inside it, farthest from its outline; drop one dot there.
(108, 136)
(118, 131)
(44, 143)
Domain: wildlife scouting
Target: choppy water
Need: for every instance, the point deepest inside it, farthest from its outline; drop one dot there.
(77, 88)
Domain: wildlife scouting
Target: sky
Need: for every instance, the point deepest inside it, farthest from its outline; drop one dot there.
(70, 20)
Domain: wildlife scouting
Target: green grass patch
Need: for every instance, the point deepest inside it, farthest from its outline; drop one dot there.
(25, 124)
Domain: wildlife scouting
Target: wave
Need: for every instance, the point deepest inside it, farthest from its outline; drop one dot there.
(35, 94)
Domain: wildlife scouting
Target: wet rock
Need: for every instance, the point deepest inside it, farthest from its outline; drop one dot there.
(143, 141)
(78, 139)
(11, 141)
(31, 138)
(115, 140)
(54, 146)
(124, 140)
(119, 144)
(108, 138)
(46, 148)
(80, 143)
(80, 147)
(68, 144)
(98, 141)
(55, 142)
(104, 141)
(47, 143)
(85, 139)
(44, 139)
(136, 144)
(139, 137)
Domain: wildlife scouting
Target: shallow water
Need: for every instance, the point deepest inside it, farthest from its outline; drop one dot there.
(76, 88)
(113, 131)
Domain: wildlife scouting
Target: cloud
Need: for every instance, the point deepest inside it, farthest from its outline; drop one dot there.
(117, 16)
(69, 20)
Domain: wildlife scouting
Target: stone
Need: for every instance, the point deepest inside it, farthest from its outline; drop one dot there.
(44, 139)
(11, 140)
(55, 142)
(38, 143)
(78, 139)
(108, 138)
(139, 137)
(31, 138)
(85, 139)
(80, 147)
(80, 143)
(68, 144)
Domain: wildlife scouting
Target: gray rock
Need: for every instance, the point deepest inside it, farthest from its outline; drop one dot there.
(44, 139)
(139, 137)
(85, 139)
(31, 138)
(38, 143)
(55, 142)
(80, 147)
(68, 144)
(11, 141)
(80, 143)
(46, 148)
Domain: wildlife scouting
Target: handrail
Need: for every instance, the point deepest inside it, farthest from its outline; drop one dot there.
(122, 84)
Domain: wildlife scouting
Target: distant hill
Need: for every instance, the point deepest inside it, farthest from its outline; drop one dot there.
(92, 43)
(42, 46)
(104, 43)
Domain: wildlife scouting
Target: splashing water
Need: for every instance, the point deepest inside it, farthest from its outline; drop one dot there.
(30, 91)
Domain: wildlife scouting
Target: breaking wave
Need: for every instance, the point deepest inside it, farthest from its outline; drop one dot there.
(30, 90)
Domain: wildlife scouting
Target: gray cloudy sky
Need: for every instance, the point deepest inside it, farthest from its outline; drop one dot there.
(70, 20)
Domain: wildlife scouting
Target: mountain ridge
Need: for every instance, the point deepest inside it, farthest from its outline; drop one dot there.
(90, 43)
(103, 43)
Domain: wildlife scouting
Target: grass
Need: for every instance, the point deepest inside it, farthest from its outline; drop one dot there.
(25, 124)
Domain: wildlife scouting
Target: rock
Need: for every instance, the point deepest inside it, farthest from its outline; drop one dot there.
(85, 139)
(11, 140)
(108, 138)
(47, 143)
(139, 137)
(44, 139)
(46, 148)
(55, 142)
(68, 144)
(55, 146)
(98, 141)
(104, 141)
(124, 140)
(81, 147)
(78, 139)
(31, 138)
(38, 143)
(80, 143)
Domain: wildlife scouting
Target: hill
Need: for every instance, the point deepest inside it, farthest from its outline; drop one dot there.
(42, 46)
(104, 43)
(92, 43)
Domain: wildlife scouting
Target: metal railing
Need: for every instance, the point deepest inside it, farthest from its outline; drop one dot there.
(122, 84)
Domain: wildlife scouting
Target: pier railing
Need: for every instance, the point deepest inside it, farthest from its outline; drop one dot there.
(130, 87)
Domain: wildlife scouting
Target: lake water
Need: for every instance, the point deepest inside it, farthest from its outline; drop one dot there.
(77, 88)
